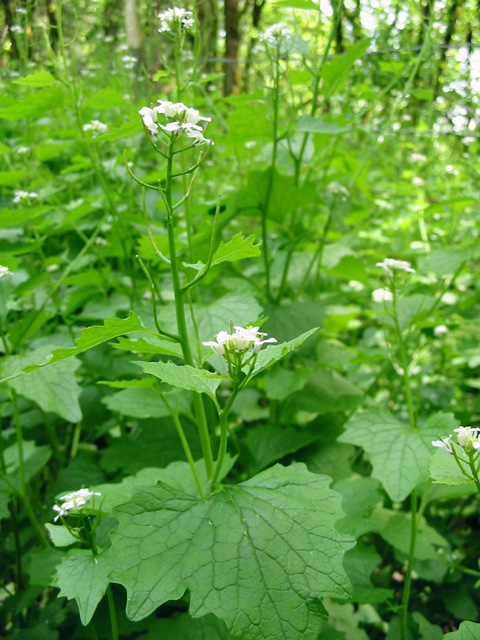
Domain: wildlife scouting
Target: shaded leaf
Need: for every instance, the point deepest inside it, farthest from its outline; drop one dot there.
(84, 577)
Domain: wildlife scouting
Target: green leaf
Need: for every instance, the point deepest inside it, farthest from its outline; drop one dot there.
(446, 261)
(60, 535)
(11, 179)
(281, 383)
(127, 130)
(34, 459)
(359, 564)
(259, 555)
(237, 248)
(360, 497)
(396, 526)
(399, 455)
(137, 403)
(17, 217)
(444, 470)
(424, 94)
(34, 105)
(467, 631)
(91, 337)
(55, 389)
(426, 630)
(268, 355)
(105, 99)
(317, 125)
(84, 577)
(268, 443)
(183, 377)
(336, 70)
(39, 78)
(187, 628)
(305, 5)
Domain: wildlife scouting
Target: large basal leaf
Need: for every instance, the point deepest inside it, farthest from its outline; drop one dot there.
(468, 631)
(84, 577)
(269, 355)
(18, 217)
(399, 455)
(183, 377)
(34, 105)
(238, 248)
(34, 459)
(359, 564)
(55, 389)
(259, 555)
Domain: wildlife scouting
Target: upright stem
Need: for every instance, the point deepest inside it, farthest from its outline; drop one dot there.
(411, 558)
(21, 473)
(181, 320)
(224, 434)
(403, 358)
(113, 613)
(271, 177)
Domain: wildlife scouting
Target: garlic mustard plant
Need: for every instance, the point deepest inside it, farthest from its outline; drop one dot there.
(73, 501)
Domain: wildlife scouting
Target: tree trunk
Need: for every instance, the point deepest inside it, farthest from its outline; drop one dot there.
(232, 45)
(9, 9)
(111, 19)
(256, 15)
(52, 24)
(132, 26)
(207, 14)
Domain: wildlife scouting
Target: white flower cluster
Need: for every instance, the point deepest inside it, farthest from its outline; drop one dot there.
(467, 437)
(96, 127)
(24, 196)
(16, 28)
(129, 62)
(74, 501)
(174, 17)
(180, 119)
(389, 265)
(440, 331)
(241, 340)
(4, 271)
(418, 157)
(276, 34)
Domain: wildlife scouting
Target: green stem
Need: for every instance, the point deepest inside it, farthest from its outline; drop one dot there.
(113, 613)
(471, 460)
(21, 474)
(403, 358)
(408, 576)
(181, 320)
(224, 434)
(271, 176)
(185, 445)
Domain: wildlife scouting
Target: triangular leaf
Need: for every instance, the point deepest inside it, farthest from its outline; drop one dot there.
(183, 377)
(84, 577)
(269, 355)
(399, 455)
(259, 555)
(237, 248)
(468, 631)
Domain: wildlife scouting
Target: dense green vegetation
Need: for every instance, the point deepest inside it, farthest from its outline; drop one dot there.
(239, 320)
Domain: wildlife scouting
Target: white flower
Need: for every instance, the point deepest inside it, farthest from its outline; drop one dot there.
(22, 150)
(4, 271)
(389, 265)
(241, 340)
(96, 127)
(469, 140)
(276, 34)
(24, 196)
(418, 182)
(418, 157)
(173, 18)
(21, 10)
(382, 295)
(149, 117)
(193, 116)
(355, 285)
(476, 445)
(196, 133)
(443, 444)
(74, 501)
(466, 436)
(16, 28)
(129, 61)
(441, 330)
(170, 109)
